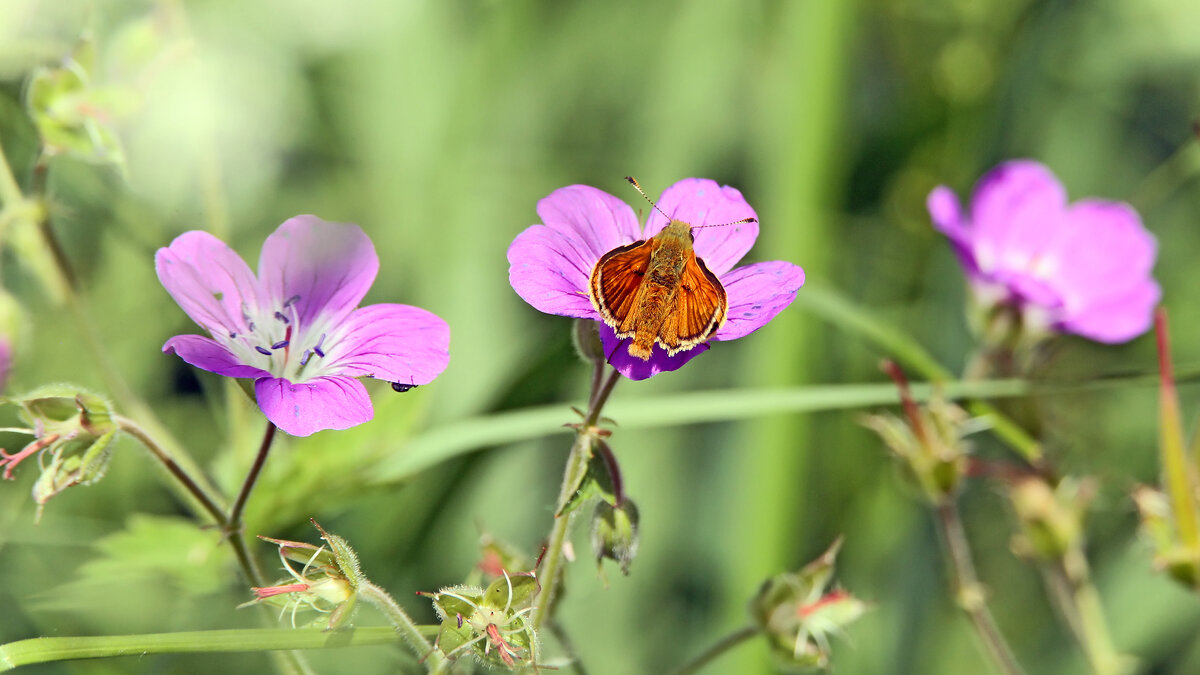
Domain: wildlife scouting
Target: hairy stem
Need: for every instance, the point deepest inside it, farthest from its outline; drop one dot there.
(209, 502)
(577, 462)
(403, 623)
(970, 593)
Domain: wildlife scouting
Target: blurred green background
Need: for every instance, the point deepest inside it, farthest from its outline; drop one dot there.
(437, 126)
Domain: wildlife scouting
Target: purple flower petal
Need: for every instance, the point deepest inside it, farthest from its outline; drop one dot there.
(1119, 319)
(1083, 268)
(550, 270)
(637, 369)
(210, 355)
(397, 343)
(699, 202)
(1014, 212)
(1103, 251)
(328, 266)
(594, 221)
(211, 283)
(329, 402)
(947, 218)
(756, 294)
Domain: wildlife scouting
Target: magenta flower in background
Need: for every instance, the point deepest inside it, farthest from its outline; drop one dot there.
(296, 327)
(550, 264)
(1081, 268)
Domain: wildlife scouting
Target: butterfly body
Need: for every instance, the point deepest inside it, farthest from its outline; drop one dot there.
(658, 291)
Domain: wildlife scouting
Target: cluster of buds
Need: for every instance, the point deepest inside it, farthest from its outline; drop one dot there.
(798, 611)
(1171, 515)
(928, 441)
(73, 434)
(327, 582)
(491, 624)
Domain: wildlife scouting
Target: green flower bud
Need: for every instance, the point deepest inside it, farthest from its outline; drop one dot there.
(73, 432)
(585, 335)
(492, 625)
(933, 455)
(797, 612)
(615, 533)
(328, 583)
(1050, 518)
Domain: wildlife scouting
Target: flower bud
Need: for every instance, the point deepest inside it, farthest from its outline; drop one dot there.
(327, 583)
(1180, 561)
(797, 611)
(491, 624)
(931, 448)
(585, 335)
(615, 533)
(1050, 518)
(72, 431)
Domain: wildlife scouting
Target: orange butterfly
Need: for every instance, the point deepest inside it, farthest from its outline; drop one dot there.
(658, 291)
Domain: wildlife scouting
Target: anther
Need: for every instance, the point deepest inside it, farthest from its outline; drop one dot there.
(291, 301)
(280, 345)
(281, 317)
(262, 350)
(305, 357)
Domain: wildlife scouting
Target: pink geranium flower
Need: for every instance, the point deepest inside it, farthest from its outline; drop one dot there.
(296, 327)
(550, 264)
(1081, 268)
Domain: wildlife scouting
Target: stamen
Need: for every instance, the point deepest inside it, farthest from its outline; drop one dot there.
(262, 350)
(291, 301)
(280, 345)
(281, 317)
(305, 357)
(320, 352)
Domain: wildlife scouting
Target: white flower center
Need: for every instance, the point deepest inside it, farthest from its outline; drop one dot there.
(275, 340)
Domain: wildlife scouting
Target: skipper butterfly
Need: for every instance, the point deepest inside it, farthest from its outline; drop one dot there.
(656, 291)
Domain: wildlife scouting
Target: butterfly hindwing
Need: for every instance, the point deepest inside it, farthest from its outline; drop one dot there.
(700, 307)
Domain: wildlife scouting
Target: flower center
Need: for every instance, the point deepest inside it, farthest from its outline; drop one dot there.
(276, 340)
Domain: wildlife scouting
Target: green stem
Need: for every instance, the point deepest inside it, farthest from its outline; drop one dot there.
(403, 624)
(50, 649)
(233, 523)
(577, 462)
(1092, 628)
(716, 650)
(209, 502)
(972, 597)
(845, 314)
(10, 192)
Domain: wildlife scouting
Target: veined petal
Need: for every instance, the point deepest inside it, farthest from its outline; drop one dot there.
(209, 281)
(210, 355)
(550, 270)
(328, 266)
(328, 402)
(756, 294)
(397, 343)
(699, 202)
(637, 369)
(594, 221)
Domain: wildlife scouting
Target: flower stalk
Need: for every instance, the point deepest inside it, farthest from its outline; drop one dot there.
(573, 474)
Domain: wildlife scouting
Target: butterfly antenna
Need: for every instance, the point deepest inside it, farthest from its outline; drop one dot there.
(634, 183)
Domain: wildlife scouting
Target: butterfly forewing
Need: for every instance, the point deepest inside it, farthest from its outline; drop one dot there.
(615, 291)
(700, 308)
